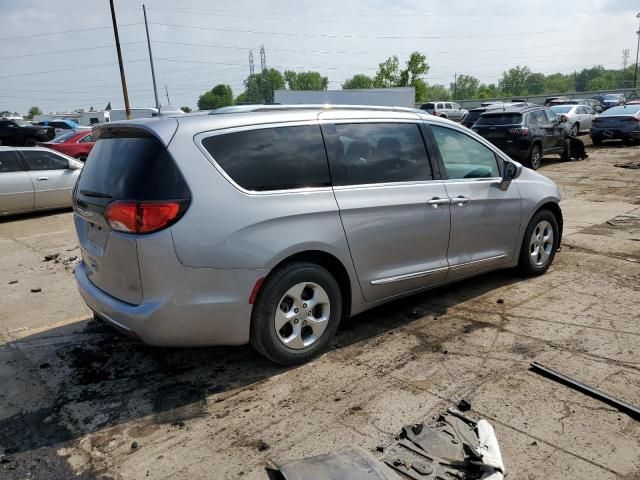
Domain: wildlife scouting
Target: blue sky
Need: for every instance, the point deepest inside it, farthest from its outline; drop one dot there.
(198, 44)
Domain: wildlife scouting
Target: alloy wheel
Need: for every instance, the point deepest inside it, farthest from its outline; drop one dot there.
(302, 315)
(541, 243)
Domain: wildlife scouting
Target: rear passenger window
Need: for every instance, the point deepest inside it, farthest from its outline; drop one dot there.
(41, 160)
(9, 162)
(272, 158)
(365, 153)
(463, 156)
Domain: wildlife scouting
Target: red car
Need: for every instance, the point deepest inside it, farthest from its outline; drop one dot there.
(76, 144)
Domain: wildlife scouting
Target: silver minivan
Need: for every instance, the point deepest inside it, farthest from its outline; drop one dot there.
(271, 224)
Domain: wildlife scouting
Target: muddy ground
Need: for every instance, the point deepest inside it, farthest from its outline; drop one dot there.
(78, 400)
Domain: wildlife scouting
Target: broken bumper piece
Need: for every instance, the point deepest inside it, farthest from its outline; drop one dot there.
(453, 447)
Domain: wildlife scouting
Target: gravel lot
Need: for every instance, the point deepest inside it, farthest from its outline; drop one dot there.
(76, 398)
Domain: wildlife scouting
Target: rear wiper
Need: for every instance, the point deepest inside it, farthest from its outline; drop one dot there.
(89, 193)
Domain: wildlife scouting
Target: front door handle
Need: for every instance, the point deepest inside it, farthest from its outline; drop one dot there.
(460, 200)
(436, 201)
(42, 179)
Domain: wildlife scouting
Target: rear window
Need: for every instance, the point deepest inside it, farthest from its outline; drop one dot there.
(622, 110)
(500, 119)
(561, 108)
(278, 158)
(428, 106)
(473, 116)
(130, 168)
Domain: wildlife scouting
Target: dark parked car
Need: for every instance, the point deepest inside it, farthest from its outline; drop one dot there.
(613, 100)
(617, 123)
(474, 114)
(556, 100)
(18, 133)
(525, 133)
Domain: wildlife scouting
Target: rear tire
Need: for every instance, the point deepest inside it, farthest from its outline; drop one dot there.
(296, 314)
(81, 158)
(30, 142)
(539, 244)
(442, 115)
(596, 141)
(535, 157)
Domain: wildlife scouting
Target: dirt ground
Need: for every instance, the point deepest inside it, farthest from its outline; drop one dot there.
(76, 398)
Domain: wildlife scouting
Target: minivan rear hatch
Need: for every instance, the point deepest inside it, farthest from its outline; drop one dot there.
(127, 168)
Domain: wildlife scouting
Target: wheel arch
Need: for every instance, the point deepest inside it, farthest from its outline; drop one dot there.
(328, 261)
(555, 209)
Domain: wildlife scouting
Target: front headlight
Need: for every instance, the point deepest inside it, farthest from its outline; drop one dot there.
(42, 131)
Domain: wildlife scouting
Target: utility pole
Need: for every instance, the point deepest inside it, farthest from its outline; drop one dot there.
(263, 77)
(252, 69)
(153, 73)
(122, 79)
(625, 62)
(455, 86)
(166, 91)
(635, 74)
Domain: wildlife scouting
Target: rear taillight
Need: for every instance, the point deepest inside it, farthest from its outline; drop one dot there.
(519, 131)
(143, 217)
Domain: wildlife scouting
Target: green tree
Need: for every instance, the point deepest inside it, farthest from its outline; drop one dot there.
(421, 89)
(417, 66)
(437, 92)
(558, 83)
(359, 80)
(586, 75)
(305, 80)
(259, 87)
(241, 99)
(465, 86)
(219, 96)
(186, 109)
(33, 111)
(488, 91)
(535, 84)
(388, 74)
(513, 81)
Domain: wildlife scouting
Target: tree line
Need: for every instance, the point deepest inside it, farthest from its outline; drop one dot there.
(516, 81)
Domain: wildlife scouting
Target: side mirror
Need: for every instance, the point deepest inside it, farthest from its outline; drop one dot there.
(510, 171)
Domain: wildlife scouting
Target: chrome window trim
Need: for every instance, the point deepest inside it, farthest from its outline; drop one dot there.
(199, 137)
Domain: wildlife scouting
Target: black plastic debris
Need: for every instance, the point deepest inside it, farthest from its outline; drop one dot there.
(464, 406)
(453, 447)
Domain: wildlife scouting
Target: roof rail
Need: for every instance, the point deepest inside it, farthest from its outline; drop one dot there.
(270, 108)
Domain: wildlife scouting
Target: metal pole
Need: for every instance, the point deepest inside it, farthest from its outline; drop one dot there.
(153, 73)
(167, 93)
(635, 74)
(123, 80)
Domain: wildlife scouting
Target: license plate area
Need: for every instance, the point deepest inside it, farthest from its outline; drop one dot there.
(96, 235)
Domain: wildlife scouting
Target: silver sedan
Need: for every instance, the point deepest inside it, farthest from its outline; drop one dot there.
(35, 179)
(579, 117)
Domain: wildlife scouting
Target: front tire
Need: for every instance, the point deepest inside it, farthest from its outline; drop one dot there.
(575, 130)
(596, 141)
(297, 312)
(81, 158)
(535, 157)
(30, 142)
(539, 244)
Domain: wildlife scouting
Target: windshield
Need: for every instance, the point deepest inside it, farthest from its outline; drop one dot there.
(561, 108)
(22, 123)
(611, 97)
(500, 119)
(624, 110)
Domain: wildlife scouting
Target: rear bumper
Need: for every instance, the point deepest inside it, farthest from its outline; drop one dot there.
(614, 134)
(209, 307)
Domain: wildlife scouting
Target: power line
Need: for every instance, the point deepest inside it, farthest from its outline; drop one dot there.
(67, 51)
(382, 37)
(365, 52)
(66, 31)
(68, 69)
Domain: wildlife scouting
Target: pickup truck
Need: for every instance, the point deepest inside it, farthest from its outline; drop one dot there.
(18, 133)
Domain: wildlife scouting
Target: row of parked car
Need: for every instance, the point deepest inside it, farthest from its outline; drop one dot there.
(527, 131)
